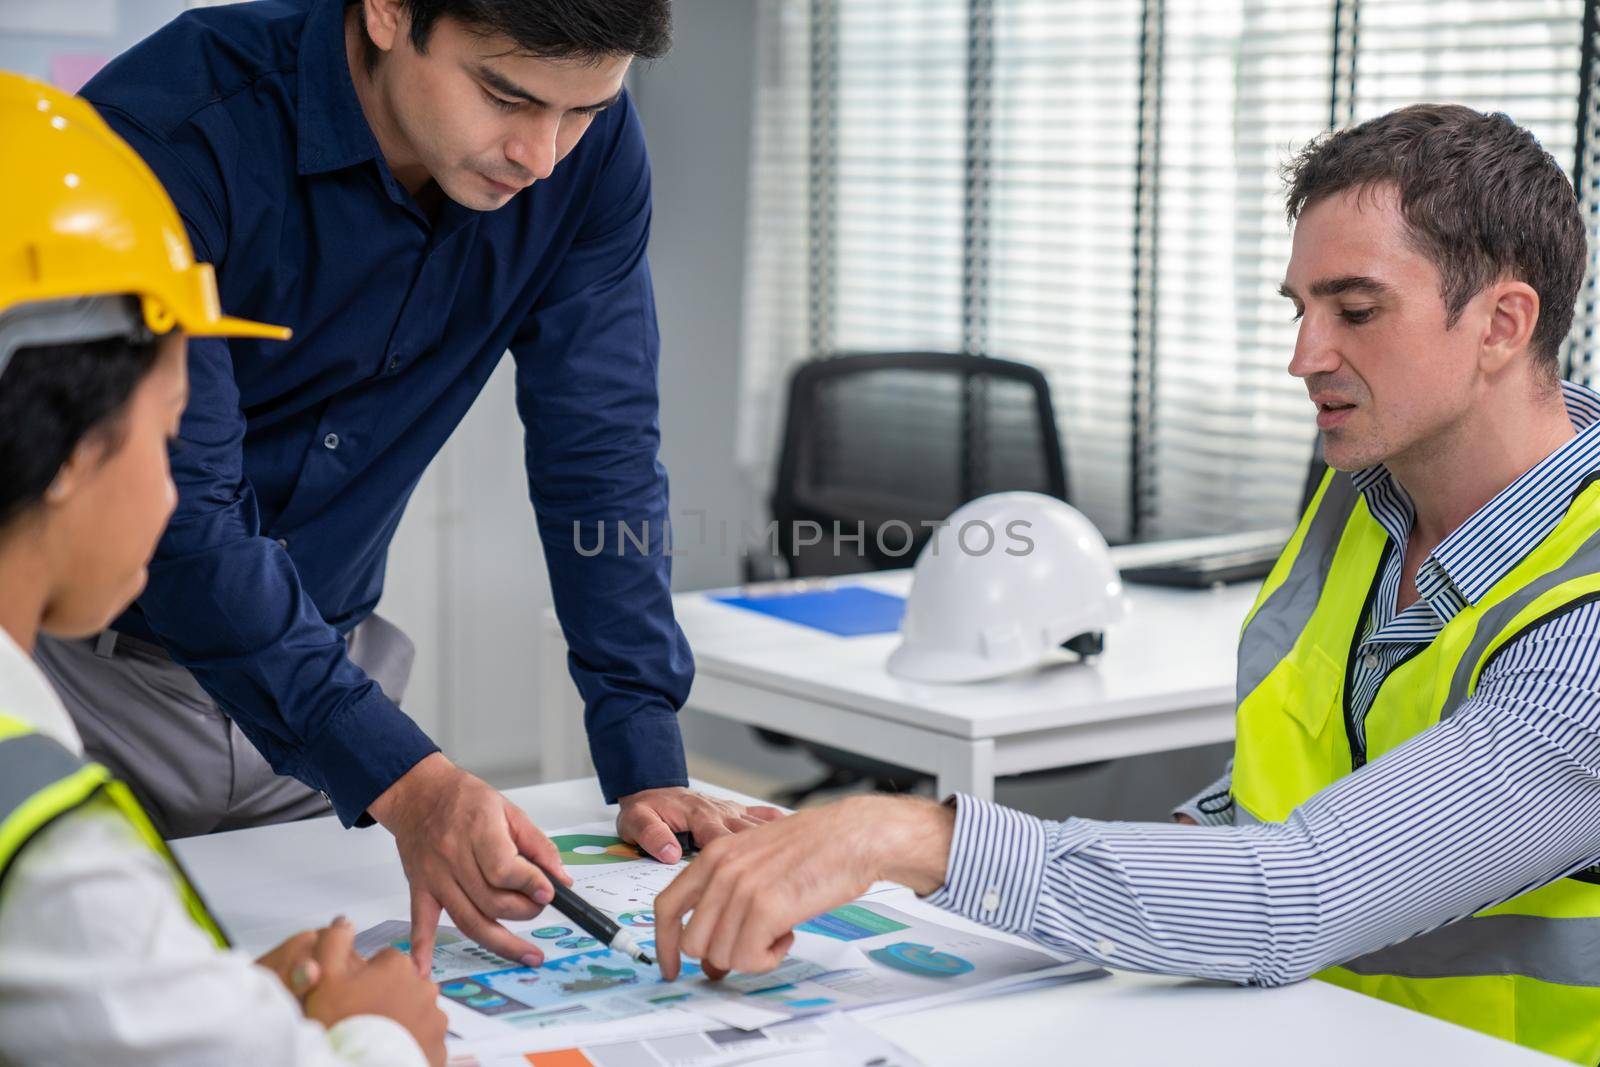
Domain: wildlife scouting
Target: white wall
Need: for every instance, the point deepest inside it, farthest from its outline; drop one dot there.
(466, 580)
(29, 52)
(696, 104)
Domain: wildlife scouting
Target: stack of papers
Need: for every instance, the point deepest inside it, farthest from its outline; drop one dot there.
(590, 1006)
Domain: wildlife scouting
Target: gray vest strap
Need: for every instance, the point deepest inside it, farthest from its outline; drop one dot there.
(1277, 624)
(1586, 560)
(1563, 951)
(28, 764)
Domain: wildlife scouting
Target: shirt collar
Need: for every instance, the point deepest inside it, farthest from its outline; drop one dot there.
(25, 694)
(333, 133)
(1497, 536)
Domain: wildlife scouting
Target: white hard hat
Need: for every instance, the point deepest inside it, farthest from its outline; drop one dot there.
(1009, 580)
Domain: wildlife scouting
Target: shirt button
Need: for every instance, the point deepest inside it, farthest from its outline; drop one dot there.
(991, 901)
(1106, 946)
(283, 542)
(1370, 661)
(394, 364)
(331, 442)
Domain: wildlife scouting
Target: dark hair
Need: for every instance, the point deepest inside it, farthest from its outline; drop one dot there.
(552, 29)
(54, 396)
(1480, 197)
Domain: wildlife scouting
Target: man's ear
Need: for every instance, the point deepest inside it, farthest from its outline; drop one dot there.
(385, 22)
(1513, 314)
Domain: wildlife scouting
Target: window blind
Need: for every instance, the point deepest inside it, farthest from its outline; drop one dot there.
(774, 334)
(1064, 148)
(1580, 359)
(1243, 84)
(899, 175)
(1522, 57)
(1093, 188)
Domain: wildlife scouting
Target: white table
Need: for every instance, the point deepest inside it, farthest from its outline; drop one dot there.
(268, 883)
(1165, 681)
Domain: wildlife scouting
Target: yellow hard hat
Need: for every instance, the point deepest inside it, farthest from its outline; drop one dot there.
(83, 216)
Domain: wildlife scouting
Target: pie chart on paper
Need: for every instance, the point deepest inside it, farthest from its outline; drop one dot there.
(923, 960)
(586, 850)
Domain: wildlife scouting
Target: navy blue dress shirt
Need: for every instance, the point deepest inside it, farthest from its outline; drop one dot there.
(296, 459)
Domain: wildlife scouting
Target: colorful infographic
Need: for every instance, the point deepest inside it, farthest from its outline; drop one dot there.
(585, 850)
(559, 984)
(861, 954)
(851, 923)
(923, 960)
(788, 996)
(577, 942)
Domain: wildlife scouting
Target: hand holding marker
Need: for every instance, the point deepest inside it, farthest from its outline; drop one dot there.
(599, 925)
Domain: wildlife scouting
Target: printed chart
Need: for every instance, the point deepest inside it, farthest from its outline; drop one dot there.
(861, 954)
(589, 850)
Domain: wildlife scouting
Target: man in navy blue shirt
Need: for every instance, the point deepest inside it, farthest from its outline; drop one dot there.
(414, 187)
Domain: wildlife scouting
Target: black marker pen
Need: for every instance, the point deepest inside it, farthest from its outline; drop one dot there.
(597, 924)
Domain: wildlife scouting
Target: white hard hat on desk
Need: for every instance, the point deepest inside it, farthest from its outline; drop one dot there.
(1011, 579)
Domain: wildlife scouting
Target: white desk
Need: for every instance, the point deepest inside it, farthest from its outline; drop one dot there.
(1165, 681)
(267, 883)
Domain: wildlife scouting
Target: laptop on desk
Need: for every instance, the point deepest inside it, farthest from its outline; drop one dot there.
(1202, 562)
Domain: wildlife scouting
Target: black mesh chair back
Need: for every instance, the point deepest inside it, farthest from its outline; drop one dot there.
(886, 443)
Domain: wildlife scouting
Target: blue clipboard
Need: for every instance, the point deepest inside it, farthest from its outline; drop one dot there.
(848, 612)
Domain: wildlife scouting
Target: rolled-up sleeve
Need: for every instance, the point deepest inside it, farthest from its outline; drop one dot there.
(587, 394)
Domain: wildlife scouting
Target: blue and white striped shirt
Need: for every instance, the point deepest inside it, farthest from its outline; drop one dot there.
(1500, 798)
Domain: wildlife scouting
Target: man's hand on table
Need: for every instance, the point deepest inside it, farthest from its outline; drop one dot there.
(749, 892)
(469, 851)
(650, 818)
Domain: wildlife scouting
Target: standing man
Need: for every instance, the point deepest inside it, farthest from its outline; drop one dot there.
(414, 187)
(1414, 806)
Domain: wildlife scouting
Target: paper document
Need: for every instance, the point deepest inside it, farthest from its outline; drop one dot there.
(868, 954)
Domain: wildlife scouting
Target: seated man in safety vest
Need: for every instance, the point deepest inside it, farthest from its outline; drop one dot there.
(1415, 790)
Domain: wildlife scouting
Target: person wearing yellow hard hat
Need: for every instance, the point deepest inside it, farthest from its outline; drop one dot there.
(417, 187)
(107, 953)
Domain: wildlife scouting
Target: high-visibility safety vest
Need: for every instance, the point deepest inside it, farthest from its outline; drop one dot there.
(1527, 970)
(42, 780)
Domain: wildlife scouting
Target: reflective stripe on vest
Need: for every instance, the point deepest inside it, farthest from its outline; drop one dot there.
(41, 780)
(1528, 969)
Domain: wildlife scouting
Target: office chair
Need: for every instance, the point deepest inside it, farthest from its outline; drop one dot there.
(891, 441)
(896, 440)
